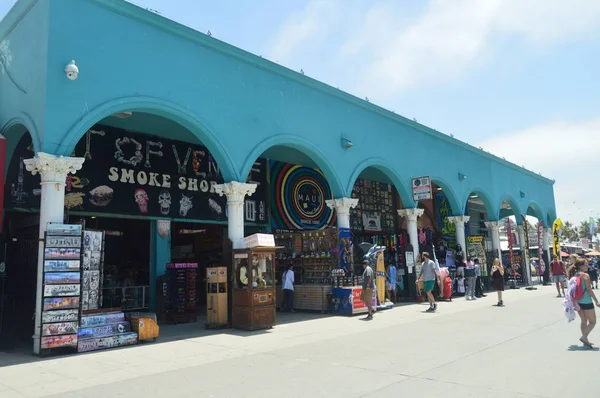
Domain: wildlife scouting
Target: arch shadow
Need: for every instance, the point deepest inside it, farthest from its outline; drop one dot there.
(536, 210)
(516, 209)
(160, 107)
(387, 169)
(304, 146)
(457, 209)
(487, 203)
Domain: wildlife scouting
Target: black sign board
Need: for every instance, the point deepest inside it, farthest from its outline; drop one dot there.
(138, 174)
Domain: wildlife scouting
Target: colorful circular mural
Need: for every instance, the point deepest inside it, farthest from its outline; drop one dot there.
(299, 195)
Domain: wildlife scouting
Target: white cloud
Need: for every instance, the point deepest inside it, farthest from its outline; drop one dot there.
(391, 52)
(566, 152)
(305, 28)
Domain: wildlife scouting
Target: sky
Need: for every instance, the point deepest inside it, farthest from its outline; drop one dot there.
(515, 78)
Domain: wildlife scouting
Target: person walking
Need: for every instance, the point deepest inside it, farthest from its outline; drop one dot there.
(478, 283)
(430, 272)
(498, 280)
(558, 272)
(593, 273)
(471, 278)
(288, 290)
(368, 287)
(586, 310)
(392, 279)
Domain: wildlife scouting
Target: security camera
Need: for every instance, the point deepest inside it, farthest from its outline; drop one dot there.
(72, 71)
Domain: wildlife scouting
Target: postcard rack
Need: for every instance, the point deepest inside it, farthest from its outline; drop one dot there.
(61, 306)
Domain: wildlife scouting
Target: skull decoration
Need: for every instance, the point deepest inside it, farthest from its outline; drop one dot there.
(164, 200)
(185, 204)
(141, 198)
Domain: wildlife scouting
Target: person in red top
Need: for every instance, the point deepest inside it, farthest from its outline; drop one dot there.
(557, 268)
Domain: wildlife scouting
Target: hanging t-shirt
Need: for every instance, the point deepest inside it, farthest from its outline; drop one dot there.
(393, 274)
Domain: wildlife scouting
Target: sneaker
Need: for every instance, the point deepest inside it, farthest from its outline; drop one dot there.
(559, 295)
(370, 316)
(473, 298)
(430, 309)
(435, 307)
(468, 298)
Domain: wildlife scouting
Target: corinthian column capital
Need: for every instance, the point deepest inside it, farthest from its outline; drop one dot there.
(53, 169)
(235, 191)
(342, 205)
(411, 214)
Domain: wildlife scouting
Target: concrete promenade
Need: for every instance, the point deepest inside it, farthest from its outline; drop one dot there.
(467, 349)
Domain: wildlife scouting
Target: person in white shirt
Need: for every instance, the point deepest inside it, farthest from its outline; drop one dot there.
(288, 290)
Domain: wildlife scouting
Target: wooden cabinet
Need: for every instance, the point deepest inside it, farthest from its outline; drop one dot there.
(253, 296)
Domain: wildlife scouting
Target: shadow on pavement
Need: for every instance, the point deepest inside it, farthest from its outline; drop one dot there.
(582, 348)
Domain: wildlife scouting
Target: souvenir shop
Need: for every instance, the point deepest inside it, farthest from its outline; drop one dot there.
(154, 204)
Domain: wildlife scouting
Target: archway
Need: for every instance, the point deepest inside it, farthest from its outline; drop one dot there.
(534, 224)
(481, 238)
(141, 167)
(127, 107)
(301, 180)
(381, 192)
(296, 150)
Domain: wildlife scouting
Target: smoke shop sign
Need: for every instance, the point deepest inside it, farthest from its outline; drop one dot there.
(138, 174)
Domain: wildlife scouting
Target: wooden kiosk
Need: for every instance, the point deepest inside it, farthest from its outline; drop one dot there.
(253, 296)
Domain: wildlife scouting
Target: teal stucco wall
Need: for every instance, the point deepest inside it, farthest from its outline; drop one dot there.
(237, 104)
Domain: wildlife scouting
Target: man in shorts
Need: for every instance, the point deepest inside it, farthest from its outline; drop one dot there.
(368, 287)
(557, 269)
(430, 272)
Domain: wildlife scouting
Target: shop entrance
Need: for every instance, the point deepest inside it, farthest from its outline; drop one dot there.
(126, 271)
(18, 282)
(201, 244)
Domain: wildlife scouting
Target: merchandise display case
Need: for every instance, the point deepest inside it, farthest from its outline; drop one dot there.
(253, 296)
(314, 255)
(179, 292)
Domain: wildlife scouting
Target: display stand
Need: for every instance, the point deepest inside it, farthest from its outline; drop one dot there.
(181, 291)
(216, 297)
(93, 267)
(61, 305)
(102, 330)
(314, 255)
(253, 291)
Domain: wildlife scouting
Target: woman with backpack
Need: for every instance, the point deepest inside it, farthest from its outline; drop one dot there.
(585, 299)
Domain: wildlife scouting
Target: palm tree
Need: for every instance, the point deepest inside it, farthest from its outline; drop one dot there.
(584, 230)
(568, 232)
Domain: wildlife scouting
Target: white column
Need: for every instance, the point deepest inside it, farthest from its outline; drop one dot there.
(236, 193)
(494, 228)
(412, 215)
(547, 246)
(523, 246)
(342, 208)
(459, 225)
(53, 171)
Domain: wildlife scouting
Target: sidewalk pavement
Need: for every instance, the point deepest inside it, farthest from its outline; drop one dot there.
(469, 348)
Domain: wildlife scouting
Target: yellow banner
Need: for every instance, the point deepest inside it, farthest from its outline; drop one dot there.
(556, 240)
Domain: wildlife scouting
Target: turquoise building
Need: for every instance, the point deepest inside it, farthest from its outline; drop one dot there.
(74, 73)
